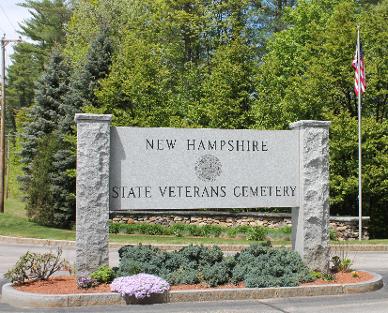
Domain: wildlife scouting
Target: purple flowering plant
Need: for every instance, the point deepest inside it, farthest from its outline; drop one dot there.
(85, 282)
(140, 286)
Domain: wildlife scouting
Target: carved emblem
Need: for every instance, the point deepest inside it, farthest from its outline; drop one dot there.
(208, 168)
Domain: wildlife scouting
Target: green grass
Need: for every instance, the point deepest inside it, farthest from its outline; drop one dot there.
(15, 223)
(362, 242)
(152, 239)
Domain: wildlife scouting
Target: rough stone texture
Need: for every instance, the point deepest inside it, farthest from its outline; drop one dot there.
(92, 203)
(342, 227)
(310, 236)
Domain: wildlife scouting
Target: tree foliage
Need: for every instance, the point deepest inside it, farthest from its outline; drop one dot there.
(223, 64)
(47, 200)
(306, 74)
(44, 30)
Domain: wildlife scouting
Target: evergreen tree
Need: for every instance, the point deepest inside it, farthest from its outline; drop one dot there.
(43, 119)
(42, 192)
(81, 93)
(85, 81)
(44, 30)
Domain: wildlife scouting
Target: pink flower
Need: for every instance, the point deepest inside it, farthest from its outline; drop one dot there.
(140, 285)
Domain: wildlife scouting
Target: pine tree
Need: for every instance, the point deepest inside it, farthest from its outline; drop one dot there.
(44, 30)
(43, 119)
(86, 81)
(80, 93)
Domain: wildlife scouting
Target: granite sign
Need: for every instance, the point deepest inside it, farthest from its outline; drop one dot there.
(159, 168)
(166, 168)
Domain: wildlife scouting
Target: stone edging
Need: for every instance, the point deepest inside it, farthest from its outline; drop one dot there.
(17, 298)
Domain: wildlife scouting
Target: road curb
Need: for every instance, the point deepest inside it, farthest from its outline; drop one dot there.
(36, 241)
(71, 244)
(225, 247)
(21, 299)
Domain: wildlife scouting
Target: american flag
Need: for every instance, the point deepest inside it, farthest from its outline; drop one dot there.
(359, 72)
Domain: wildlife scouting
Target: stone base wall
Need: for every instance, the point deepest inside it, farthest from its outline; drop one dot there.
(345, 228)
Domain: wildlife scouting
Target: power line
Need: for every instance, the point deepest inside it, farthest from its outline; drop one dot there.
(9, 20)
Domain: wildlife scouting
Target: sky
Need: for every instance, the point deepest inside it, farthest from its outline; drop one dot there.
(10, 16)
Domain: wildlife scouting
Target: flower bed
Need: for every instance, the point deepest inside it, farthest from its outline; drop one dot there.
(68, 285)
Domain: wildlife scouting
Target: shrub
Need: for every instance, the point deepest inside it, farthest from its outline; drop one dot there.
(333, 234)
(104, 274)
(36, 266)
(140, 286)
(256, 233)
(200, 255)
(140, 259)
(218, 273)
(183, 275)
(328, 277)
(184, 266)
(315, 275)
(151, 229)
(212, 230)
(178, 229)
(258, 265)
(114, 228)
(261, 266)
(341, 264)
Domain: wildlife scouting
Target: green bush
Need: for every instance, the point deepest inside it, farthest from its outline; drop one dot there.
(212, 230)
(253, 233)
(114, 228)
(341, 264)
(178, 229)
(184, 266)
(140, 259)
(218, 273)
(104, 274)
(183, 275)
(151, 229)
(258, 265)
(328, 277)
(257, 233)
(315, 275)
(332, 234)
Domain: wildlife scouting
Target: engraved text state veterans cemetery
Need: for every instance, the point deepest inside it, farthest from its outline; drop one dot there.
(165, 168)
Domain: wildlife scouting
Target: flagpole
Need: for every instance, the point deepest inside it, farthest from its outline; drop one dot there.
(359, 138)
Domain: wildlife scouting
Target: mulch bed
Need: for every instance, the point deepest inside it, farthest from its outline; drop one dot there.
(343, 278)
(67, 284)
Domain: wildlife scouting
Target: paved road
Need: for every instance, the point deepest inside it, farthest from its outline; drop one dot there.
(373, 302)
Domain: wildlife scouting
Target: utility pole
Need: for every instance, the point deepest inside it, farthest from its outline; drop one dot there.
(4, 43)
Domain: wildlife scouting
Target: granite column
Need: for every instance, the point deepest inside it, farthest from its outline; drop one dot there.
(92, 203)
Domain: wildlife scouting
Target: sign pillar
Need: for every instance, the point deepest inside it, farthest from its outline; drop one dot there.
(92, 203)
(310, 221)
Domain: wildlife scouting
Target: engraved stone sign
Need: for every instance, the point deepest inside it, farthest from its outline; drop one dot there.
(124, 168)
(166, 168)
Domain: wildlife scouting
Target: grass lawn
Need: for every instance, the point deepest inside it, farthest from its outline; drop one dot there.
(15, 223)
